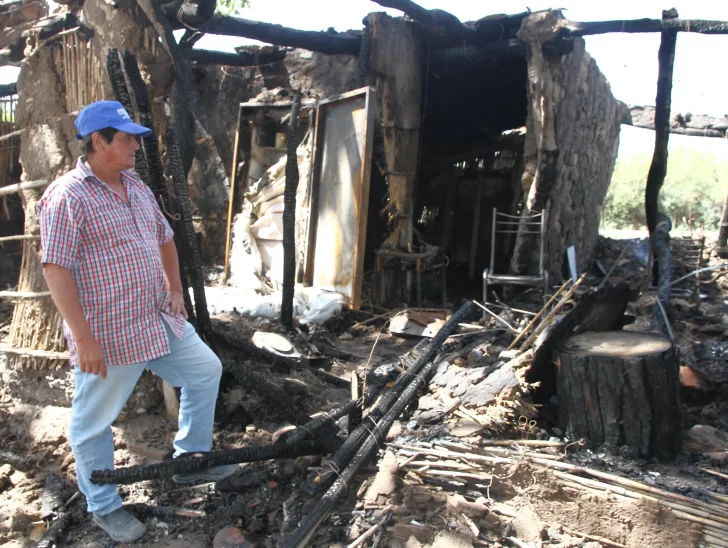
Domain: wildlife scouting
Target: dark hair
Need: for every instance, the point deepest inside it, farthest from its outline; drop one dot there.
(87, 145)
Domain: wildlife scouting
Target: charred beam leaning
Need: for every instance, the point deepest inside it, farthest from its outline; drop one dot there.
(660, 239)
(179, 179)
(118, 83)
(366, 437)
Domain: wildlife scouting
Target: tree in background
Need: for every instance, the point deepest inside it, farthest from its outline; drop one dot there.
(231, 7)
(692, 195)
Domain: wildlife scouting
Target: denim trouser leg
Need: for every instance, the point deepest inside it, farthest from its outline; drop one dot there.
(196, 369)
(97, 403)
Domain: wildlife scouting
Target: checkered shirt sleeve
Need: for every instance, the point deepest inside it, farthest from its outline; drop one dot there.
(61, 217)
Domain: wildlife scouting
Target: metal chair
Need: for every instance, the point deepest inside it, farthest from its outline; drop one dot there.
(687, 256)
(534, 224)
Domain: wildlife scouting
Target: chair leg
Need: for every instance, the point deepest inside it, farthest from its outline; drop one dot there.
(485, 287)
(444, 286)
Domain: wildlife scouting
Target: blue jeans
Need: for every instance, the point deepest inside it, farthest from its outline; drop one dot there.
(97, 403)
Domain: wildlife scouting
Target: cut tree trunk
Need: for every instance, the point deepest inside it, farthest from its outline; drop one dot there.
(621, 388)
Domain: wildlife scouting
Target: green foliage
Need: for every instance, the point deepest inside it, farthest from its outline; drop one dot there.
(693, 193)
(231, 7)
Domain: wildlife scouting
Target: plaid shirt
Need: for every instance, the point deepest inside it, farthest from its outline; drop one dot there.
(112, 251)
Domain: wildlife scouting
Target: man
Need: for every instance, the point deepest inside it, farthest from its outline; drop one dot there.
(112, 270)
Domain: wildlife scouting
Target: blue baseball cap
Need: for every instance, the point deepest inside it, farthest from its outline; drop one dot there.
(103, 114)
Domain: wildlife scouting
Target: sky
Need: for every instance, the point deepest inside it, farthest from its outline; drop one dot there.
(629, 61)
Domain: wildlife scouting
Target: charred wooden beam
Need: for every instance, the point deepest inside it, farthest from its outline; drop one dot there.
(344, 455)
(660, 240)
(305, 531)
(289, 216)
(118, 84)
(274, 394)
(436, 22)
(155, 170)
(55, 531)
(324, 42)
(495, 53)
(192, 250)
(575, 28)
(200, 461)
(240, 59)
(495, 28)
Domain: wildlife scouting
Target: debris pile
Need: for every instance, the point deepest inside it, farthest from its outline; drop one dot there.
(460, 413)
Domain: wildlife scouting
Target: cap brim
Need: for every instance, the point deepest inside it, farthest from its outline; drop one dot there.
(133, 129)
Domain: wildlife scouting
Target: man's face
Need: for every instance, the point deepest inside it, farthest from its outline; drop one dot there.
(119, 153)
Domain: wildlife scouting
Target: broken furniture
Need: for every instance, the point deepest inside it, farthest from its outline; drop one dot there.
(505, 226)
(425, 261)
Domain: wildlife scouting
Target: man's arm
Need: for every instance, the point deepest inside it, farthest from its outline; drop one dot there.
(170, 263)
(65, 296)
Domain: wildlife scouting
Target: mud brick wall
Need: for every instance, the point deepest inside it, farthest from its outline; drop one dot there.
(588, 119)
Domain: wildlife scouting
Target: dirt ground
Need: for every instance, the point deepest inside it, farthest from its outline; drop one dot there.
(520, 504)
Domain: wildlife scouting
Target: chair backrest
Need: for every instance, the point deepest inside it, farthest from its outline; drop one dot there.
(687, 256)
(532, 224)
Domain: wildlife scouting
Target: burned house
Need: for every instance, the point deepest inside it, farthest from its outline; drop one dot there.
(412, 132)
(522, 122)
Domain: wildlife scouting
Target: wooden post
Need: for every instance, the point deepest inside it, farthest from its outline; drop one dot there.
(660, 235)
(395, 56)
(231, 204)
(723, 232)
(621, 388)
(476, 226)
(289, 217)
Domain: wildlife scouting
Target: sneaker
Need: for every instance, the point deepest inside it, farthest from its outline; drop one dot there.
(121, 526)
(216, 473)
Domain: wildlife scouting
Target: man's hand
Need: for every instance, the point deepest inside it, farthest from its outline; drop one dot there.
(91, 356)
(177, 304)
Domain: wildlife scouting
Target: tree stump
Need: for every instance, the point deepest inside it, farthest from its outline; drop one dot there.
(621, 388)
